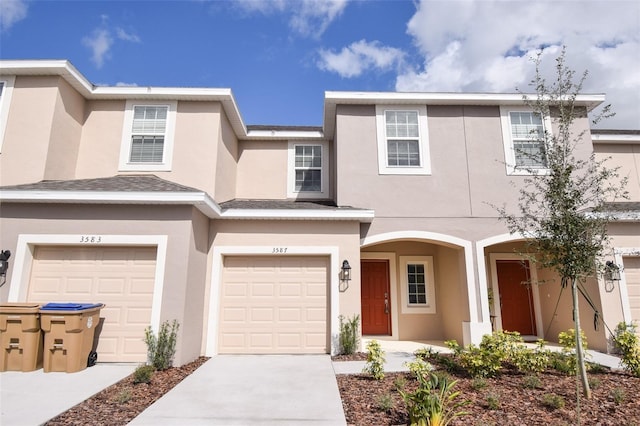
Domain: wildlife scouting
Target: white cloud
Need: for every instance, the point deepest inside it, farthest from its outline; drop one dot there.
(11, 11)
(487, 45)
(359, 56)
(101, 41)
(123, 84)
(308, 17)
(123, 35)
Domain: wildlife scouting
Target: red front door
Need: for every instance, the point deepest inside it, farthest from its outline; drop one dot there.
(516, 297)
(376, 305)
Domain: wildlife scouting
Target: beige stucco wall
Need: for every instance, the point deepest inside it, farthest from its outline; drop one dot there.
(66, 131)
(28, 131)
(262, 170)
(627, 158)
(101, 139)
(227, 162)
(186, 255)
(468, 174)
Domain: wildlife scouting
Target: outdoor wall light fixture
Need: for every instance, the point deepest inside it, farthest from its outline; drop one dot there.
(345, 276)
(611, 275)
(4, 265)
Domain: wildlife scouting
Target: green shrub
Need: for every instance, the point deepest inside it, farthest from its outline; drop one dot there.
(419, 367)
(349, 334)
(375, 360)
(562, 363)
(567, 340)
(426, 353)
(123, 396)
(143, 374)
(161, 349)
(385, 402)
(479, 383)
(594, 382)
(618, 396)
(553, 401)
(530, 361)
(531, 382)
(486, 360)
(434, 402)
(627, 342)
(493, 402)
(400, 382)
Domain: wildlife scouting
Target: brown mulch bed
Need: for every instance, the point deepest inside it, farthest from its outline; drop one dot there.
(122, 402)
(358, 356)
(614, 400)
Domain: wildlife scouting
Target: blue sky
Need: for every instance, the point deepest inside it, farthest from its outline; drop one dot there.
(280, 56)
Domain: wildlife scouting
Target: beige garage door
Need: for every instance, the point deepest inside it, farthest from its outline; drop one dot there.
(120, 277)
(632, 277)
(274, 305)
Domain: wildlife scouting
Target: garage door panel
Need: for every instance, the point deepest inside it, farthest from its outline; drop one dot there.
(110, 275)
(273, 305)
(632, 278)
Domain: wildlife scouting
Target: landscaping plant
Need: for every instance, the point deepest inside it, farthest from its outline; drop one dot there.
(567, 340)
(434, 402)
(143, 374)
(161, 348)
(349, 334)
(375, 360)
(627, 342)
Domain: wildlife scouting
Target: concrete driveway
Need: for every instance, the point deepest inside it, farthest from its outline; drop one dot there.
(34, 397)
(252, 389)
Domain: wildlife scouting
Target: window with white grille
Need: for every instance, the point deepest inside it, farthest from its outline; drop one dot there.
(524, 133)
(403, 140)
(148, 136)
(308, 175)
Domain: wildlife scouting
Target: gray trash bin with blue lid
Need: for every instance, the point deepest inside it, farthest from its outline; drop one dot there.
(68, 335)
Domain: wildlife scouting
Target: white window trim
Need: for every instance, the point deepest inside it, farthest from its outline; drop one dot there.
(5, 104)
(430, 307)
(291, 175)
(423, 128)
(507, 140)
(125, 149)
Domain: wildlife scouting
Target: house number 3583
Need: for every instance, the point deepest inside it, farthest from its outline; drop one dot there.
(279, 250)
(90, 239)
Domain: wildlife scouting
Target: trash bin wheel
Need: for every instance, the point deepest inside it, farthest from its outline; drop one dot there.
(93, 358)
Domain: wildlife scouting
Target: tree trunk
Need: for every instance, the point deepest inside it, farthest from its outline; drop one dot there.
(582, 369)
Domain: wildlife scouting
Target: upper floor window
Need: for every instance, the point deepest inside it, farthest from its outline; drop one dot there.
(148, 136)
(403, 146)
(308, 171)
(524, 140)
(6, 90)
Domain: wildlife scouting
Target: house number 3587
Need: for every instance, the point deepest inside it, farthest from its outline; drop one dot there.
(279, 250)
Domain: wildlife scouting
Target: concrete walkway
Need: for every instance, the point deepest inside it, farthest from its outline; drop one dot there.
(252, 389)
(34, 397)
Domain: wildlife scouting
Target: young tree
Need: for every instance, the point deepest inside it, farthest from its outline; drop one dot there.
(562, 210)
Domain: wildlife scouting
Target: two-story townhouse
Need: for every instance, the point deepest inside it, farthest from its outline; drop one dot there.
(163, 204)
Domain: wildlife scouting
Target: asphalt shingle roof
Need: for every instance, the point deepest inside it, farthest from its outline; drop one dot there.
(121, 183)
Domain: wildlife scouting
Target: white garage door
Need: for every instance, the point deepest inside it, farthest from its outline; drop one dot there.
(274, 305)
(120, 277)
(632, 277)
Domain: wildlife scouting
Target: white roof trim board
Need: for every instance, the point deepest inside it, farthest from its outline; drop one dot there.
(199, 200)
